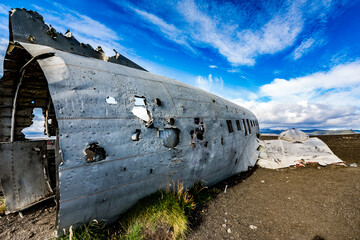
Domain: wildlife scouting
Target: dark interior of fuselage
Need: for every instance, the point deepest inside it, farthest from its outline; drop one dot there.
(27, 111)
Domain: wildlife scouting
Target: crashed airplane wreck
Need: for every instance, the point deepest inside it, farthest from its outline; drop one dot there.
(121, 132)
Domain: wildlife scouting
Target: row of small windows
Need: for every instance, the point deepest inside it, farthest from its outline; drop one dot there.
(250, 123)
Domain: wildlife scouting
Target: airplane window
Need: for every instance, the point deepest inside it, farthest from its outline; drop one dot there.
(230, 127)
(246, 133)
(238, 125)
(247, 120)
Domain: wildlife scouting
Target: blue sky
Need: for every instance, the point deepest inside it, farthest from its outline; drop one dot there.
(293, 63)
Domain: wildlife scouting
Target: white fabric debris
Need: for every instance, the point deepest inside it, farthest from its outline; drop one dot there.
(281, 154)
(353, 165)
(111, 100)
(293, 135)
(253, 227)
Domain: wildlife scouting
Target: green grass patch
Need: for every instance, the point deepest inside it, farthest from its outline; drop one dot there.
(162, 215)
(202, 194)
(2, 205)
(93, 230)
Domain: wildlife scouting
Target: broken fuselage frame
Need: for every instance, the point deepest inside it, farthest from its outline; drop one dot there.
(121, 132)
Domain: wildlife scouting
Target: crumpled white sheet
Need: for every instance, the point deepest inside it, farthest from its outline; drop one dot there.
(275, 154)
(293, 135)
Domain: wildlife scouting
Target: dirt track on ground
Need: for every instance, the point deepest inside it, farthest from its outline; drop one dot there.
(294, 203)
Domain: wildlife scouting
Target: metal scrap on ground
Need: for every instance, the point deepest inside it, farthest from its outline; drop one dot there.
(293, 148)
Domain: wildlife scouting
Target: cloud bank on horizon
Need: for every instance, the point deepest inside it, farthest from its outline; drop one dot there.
(319, 100)
(293, 63)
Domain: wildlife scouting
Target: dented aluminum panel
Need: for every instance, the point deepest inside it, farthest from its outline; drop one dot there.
(23, 174)
(123, 132)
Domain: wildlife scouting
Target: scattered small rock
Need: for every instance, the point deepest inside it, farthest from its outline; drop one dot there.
(31, 234)
(253, 227)
(317, 237)
(224, 225)
(318, 167)
(262, 181)
(229, 230)
(353, 165)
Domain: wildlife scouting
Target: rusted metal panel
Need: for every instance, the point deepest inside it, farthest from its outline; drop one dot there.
(23, 174)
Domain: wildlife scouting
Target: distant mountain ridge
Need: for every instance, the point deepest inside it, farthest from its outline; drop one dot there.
(312, 131)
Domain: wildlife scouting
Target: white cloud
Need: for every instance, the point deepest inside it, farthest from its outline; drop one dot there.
(234, 70)
(303, 114)
(303, 48)
(239, 41)
(4, 10)
(3, 47)
(216, 85)
(1, 66)
(209, 83)
(243, 47)
(170, 31)
(213, 66)
(38, 123)
(4, 20)
(83, 28)
(312, 86)
(307, 45)
(324, 99)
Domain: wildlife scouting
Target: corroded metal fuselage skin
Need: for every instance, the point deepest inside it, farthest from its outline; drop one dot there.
(122, 132)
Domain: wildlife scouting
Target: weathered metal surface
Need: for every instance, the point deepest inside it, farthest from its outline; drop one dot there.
(79, 87)
(183, 136)
(24, 174)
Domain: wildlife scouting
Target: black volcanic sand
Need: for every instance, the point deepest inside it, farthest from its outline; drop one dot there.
(310, 202)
